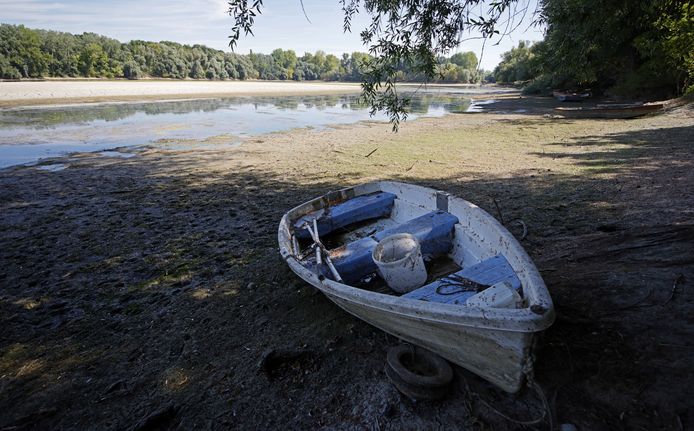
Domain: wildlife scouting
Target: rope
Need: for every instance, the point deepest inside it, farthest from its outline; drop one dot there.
(530, 376)
(510, 419)
(461, 283)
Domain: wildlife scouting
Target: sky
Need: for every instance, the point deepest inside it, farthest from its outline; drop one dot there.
(281, 25)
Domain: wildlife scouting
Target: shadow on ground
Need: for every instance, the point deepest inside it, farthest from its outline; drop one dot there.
(145, 294)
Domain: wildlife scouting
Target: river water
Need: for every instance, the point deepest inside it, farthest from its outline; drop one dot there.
(29, 134)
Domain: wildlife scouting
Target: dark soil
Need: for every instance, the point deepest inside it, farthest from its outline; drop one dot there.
(147, 293)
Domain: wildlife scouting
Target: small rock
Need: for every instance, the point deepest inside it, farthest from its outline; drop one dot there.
(568, 427)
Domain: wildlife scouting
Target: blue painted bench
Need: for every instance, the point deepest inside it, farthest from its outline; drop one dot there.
(489, 272)
(360, 208)
(433, 230)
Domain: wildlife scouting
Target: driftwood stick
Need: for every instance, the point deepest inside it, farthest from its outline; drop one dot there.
(498, 210)
(679, 279)
(372, 151)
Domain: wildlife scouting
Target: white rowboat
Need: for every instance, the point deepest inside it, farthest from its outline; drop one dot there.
(613, 111)
(495, 343)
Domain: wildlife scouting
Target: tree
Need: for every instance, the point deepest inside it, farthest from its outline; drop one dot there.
(131, 70)
(466, 60)
(285, 61)
(21, 47)
(630, 47)
(518, 64)
(93, 61)
(448, 72)
(413, 33)
(7, 70)
(196, 72)
(677, 44)
(331, 68)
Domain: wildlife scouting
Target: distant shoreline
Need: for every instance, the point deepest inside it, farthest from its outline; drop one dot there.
(78, 91)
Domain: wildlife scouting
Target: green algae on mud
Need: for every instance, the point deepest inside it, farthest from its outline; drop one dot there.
(161, 274)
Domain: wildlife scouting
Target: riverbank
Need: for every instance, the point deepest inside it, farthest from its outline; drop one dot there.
(150, 287)
(29, 93)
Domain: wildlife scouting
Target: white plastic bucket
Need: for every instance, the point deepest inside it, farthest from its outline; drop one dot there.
(500, 295)
(400, 263)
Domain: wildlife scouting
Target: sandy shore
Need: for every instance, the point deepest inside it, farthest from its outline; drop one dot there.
(54, 92)
(148, 292)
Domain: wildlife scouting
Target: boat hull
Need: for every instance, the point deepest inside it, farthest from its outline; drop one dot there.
(493, 343)
(615, 113)
(498, 356)
(570, 97)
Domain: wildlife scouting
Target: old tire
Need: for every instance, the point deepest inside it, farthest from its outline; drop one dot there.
(418, 373)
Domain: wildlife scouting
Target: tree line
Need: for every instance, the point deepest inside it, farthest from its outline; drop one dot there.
(32, 53)
(636, 49)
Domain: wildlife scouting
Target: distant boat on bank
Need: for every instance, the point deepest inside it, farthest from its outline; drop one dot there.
(615, 111)
(567, 96)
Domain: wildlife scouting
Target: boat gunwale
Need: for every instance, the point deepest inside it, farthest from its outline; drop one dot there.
(516, 320)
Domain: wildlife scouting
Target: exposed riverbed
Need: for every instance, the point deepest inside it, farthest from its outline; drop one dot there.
(29, 134)
(148, 289)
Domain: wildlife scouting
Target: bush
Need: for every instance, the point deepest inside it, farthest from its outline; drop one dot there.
(542, 85)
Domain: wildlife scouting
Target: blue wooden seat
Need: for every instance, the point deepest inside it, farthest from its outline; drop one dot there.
(353, 261)
(360, 208)
(490, 271)
(433, 230)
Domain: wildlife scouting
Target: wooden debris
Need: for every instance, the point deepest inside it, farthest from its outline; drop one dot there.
(679, 279)
(372, 151)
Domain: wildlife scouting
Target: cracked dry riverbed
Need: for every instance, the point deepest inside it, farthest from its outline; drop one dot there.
(148, 293)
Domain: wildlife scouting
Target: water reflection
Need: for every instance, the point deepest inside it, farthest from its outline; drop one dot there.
(29, 134)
